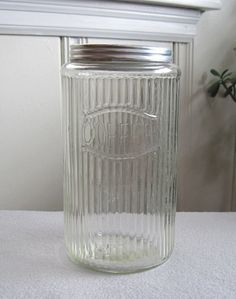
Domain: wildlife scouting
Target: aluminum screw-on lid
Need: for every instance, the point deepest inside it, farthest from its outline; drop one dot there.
(118, 53)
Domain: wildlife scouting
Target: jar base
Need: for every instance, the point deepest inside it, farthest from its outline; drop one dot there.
(115, 269)
(114, 256)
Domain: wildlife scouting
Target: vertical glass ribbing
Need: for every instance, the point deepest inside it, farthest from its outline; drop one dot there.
(120, 137)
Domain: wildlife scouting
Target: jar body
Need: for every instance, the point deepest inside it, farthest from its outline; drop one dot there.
(120, 133)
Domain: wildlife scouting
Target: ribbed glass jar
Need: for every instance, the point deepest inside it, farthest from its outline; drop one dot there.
(120, 115)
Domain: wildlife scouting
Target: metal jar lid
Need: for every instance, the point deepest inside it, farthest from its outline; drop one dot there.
(93, 53)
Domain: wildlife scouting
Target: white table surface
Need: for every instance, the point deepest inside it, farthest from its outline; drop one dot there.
(33, 263)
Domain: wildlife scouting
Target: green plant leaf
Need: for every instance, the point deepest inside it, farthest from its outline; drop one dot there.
(215, 73)
(228, 91)
(226, 76)
(213, 89)
(224, 73)
(233, 75)
(233, 81)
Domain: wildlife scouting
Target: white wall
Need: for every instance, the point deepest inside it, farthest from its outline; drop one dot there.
(30, 135)
(213, 121)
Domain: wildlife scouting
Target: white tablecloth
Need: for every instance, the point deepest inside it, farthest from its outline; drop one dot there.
(33, 263)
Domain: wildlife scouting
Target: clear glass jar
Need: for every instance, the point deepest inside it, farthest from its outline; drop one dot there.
(120, 130)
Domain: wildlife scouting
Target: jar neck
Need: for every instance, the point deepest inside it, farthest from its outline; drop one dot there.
(162, 69)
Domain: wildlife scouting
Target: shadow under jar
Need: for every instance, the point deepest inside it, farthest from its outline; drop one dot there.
(120, 115)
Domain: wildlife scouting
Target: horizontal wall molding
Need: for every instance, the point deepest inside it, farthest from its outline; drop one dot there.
(114, 19)
(198, 4)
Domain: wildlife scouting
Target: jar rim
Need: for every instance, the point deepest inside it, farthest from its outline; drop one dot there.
(110, 53)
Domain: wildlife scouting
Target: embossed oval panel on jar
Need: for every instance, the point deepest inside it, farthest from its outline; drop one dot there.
(120, 133)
